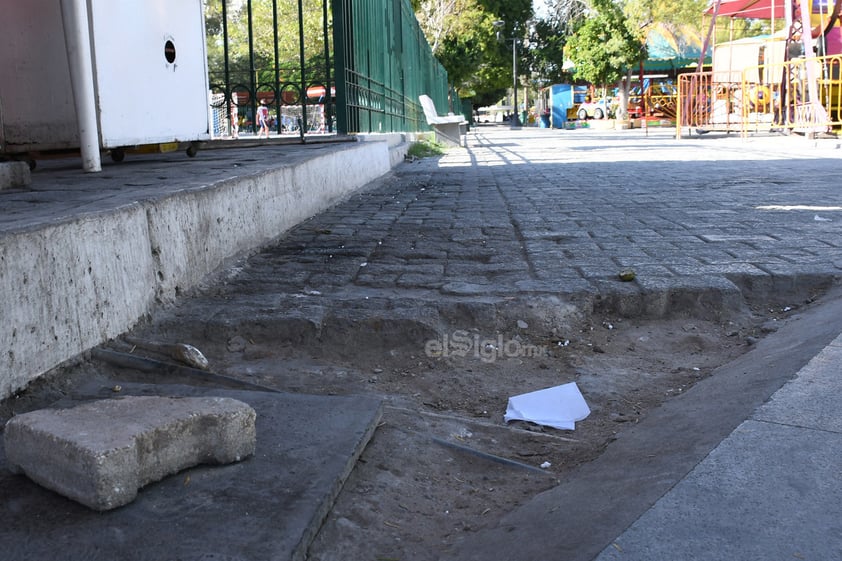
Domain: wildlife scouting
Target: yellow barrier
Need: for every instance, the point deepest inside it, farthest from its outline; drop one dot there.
(790, 104)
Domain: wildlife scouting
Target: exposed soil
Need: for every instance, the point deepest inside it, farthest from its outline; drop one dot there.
(442, 462)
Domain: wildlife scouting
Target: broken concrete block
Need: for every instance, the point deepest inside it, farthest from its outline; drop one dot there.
(100, 453)
(14, 174)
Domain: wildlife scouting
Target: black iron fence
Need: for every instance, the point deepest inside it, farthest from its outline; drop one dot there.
(320, 66)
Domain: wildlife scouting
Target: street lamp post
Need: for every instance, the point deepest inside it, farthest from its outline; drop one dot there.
(516, 120)
(516, 113)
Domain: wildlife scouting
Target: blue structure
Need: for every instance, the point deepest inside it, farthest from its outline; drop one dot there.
(558, 98)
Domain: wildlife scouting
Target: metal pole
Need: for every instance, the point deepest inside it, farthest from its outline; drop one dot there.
(807, 38)
(74, 15)
(302, 61)
(276, 87)
(252, 71)
(230, 96)
(516, 120)
(328, 97)
(341, 20)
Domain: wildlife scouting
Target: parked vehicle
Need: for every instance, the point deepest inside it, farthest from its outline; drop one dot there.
(599, 109)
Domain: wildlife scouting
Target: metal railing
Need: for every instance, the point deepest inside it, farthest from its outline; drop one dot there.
(383, 63)
(802, 95)
(321, 66)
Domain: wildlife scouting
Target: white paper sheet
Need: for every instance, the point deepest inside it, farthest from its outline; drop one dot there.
(558, 407)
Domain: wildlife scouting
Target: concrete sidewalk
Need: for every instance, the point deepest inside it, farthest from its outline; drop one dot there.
(771, 490)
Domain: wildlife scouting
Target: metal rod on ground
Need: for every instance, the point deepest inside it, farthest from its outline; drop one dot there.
(487, 456)
(145, 364)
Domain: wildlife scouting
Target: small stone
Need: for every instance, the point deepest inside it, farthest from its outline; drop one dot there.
(522, 324)
(627, 275)
(236, 344)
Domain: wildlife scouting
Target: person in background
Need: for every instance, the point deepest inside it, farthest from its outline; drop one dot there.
(263, 119)
(235, 121)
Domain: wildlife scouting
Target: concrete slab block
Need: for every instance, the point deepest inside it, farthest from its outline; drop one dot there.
(101, 453)
(767, 492)
(811, 399)
(268, 507)
(14, 174)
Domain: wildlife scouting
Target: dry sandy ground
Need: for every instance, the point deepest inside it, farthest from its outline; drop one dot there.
(442, 461)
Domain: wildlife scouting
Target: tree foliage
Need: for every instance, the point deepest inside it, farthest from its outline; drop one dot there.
(546, 52)
(263, 37)
(605, 46)
(463, 38)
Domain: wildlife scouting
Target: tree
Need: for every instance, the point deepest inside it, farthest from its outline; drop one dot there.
(463, 38)
(263, 39)
(545, 55)
(604, 47)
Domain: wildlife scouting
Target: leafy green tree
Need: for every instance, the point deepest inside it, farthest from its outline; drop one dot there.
(263, 39)
(463, 38)
(604, 47)
(545, 56)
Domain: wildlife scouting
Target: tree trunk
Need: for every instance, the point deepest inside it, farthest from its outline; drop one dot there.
(623, 87)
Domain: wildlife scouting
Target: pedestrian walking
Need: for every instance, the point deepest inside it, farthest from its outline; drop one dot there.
(263, 119)
(235, 121)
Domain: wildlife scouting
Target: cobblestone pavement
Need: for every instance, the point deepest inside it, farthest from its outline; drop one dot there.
(703, 222)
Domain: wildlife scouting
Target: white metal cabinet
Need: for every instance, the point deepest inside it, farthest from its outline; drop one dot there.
(150, 70)
(36, 104)
(150, 74)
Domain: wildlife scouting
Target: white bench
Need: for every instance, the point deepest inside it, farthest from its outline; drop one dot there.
(448, 128)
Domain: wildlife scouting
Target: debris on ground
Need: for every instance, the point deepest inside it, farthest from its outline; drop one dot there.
(558, 407)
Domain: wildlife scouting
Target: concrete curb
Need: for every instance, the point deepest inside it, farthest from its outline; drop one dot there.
(83, 280)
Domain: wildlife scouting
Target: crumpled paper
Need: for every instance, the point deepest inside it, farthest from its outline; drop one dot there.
(558, 407)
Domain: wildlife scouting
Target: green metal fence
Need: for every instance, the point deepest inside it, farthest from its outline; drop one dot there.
(322, 66)
(383, 63)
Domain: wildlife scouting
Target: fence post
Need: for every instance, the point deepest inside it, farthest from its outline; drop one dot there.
(340, 58)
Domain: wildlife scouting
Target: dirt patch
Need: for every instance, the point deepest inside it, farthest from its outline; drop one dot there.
(442, 462)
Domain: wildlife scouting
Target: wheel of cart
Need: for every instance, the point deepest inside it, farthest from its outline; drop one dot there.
(117, 155)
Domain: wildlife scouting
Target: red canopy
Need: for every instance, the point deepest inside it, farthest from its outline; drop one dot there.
(757, 9)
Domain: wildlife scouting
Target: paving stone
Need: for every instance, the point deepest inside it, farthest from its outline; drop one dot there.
(101, 453)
